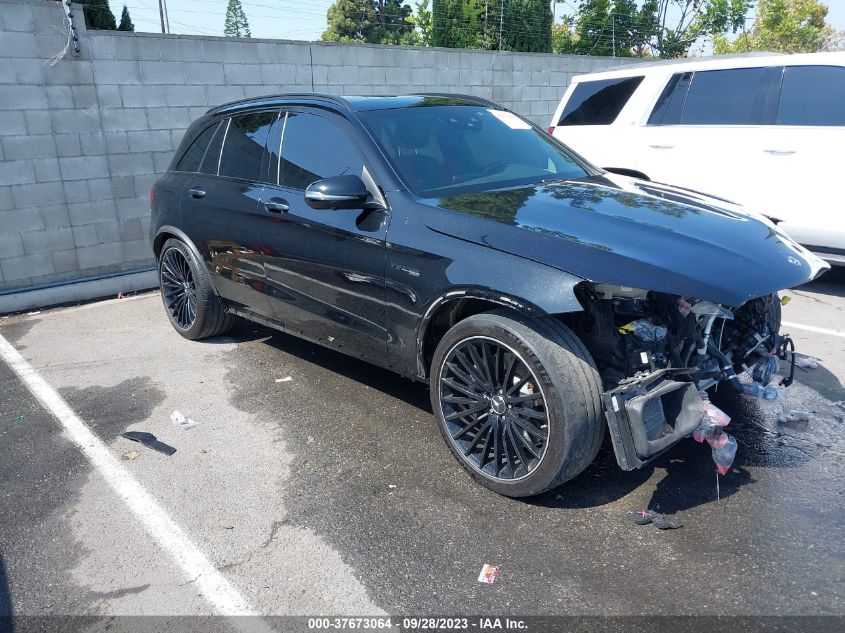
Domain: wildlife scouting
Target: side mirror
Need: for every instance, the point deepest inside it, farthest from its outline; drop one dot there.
(338, 192)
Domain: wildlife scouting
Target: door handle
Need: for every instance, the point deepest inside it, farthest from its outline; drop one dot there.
(197, 193)
(662, 146)
(780, 152)
(277, 205)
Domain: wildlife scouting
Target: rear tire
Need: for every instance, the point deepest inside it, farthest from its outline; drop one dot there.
(192, 307)
(552, 429)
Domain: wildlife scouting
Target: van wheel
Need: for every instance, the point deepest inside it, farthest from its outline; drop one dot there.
(189, 300)
(517, 401)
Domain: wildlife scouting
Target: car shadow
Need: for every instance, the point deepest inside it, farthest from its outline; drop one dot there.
(690, 474)
(831, 283)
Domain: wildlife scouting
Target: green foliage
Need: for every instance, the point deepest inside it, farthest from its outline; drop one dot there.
(617, 28)
(789, 26)
(125, 21)
(694, 19)
(236, 24)
(423, 22)
(525, 26)
(371, 22)
(98, 15)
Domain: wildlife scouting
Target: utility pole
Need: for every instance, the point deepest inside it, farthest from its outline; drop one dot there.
(501, 21)
(613, 33)
(161, 15)
(166, 16)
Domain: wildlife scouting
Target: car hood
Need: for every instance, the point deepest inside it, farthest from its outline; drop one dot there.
(618, 230)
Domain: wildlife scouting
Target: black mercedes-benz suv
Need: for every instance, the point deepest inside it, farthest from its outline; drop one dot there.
(448, 239)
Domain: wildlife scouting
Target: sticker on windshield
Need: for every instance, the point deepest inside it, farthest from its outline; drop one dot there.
(509, 119)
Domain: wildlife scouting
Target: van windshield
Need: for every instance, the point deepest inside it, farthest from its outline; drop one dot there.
(452, 149)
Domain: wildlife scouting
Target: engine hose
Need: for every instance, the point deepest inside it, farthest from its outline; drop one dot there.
(726, 367)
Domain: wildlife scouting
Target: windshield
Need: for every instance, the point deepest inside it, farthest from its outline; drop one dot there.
(453, 149)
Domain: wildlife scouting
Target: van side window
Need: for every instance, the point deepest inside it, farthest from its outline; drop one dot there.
(670, 104)
(812, 95)
(190, 161)
(598, 102)
(243, 150)
(738, 96)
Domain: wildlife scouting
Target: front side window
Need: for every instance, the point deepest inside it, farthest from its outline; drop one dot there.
(812, 95)
(190, 161)
(450, 149)
(738, 96)
(243, 150)
(314, 148)
(598, 102)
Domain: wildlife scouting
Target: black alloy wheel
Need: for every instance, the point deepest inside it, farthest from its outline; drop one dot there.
(178, 288)
(494, 408)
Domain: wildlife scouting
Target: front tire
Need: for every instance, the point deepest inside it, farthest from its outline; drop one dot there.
(193, 308)
(517, 401)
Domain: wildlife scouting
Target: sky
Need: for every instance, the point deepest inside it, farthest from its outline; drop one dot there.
(290, 19)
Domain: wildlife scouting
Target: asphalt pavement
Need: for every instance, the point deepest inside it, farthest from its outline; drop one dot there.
(333, 493)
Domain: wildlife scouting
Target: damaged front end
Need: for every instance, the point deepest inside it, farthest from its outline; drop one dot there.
(658, 354)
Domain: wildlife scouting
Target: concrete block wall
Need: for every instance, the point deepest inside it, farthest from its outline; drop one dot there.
(82, 141)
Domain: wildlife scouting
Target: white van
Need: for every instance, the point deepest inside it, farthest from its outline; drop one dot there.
(765, 131)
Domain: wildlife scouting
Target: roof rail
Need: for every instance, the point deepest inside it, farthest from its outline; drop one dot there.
(280, 98)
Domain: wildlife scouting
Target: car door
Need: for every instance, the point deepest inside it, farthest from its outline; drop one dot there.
(324, 268)
(706, 129)
(801, 157)
(223, 209)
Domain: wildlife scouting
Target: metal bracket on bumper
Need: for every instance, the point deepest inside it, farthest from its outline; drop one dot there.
(649, 413)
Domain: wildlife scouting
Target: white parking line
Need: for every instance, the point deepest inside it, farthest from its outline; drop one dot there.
(813, 328)
(217, 590)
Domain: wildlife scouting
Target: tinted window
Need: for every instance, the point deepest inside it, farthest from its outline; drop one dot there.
(667, 110)
(212, 155)
(191, 159)
(812, 95)
(598, 102)
(727, 97)
(243, 150)
(314, 148)
(441, 150)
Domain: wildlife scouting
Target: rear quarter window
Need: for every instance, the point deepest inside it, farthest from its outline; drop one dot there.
(812, 95)
(191, 159)
(598, 102)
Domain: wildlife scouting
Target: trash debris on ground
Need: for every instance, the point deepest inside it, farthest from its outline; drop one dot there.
(756, 390)
(149, 440)
(130, 455)
(391, 485)
(310, 439)
(489, 573)
(785, 299)
(806, 362)
(795, 419)
(644, 517)
(120, 295)
(178, 418)
(33, 313)
(285, 379)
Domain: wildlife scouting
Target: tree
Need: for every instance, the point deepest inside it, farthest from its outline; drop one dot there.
(694, 19)
(423, 22)
(619, 28)
(525, 25)
(789, 26)
(370, 21)
(236, 24)
(98, 15)
(125, 21)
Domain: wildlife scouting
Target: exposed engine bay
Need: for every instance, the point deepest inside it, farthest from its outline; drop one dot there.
(658, 354)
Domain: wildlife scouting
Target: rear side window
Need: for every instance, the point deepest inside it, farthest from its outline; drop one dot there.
(211, 161)
(243, 150)
(738, 96)
(670, 105)
(812, 95)
(598, 102)
(191, 159)
(314, 148)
